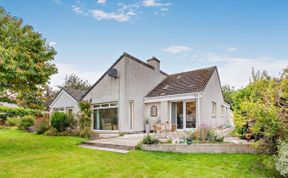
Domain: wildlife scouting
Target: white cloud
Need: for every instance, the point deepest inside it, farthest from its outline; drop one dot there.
(77, 9)
(52, 43)
(67, 69)
(176, 49)
(154, 3)
(164, 9)
(232, 49)
(101, 1)
(238, 70)
(119, 16)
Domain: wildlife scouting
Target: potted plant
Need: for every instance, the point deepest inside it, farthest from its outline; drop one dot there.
(147, 126)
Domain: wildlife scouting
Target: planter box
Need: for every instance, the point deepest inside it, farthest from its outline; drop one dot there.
(201, 148)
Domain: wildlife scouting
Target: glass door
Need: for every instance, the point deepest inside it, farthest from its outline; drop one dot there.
(177, 114)
(191, 114)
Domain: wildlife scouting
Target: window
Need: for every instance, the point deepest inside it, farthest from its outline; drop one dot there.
(70, 111)
(191, 114)
(214, 109)
(153, 111)
(58, 109)
(105, 117)
(222, 111)
(131, 114)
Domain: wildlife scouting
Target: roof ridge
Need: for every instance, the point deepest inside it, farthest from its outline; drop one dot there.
(204, 68)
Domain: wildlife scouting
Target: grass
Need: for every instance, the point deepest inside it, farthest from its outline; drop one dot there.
(29, 155)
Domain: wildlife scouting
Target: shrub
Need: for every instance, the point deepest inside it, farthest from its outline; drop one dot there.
(281, 161)
(26, 122)
(148, 139)
(204, 135)
(85, 132)
(52, 132)
(12, 121)
(42, 127)
(85, 119)
(13, 112)
(139, 146)
(73, 123)
(60, 121)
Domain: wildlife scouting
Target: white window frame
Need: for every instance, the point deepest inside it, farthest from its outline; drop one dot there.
(223, 111)
(99, 106)
(131, 115)
(60, 109)
(214, 110)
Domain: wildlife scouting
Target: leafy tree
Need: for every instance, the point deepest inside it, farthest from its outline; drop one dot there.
(49, 94)
(72, 81)
(25, 57)
(228, 92)
(31, 99)
(264, 101)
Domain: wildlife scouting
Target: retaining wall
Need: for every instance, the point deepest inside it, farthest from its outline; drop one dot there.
(201, 148)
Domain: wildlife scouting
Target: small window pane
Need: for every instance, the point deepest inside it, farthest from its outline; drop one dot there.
(104, 105)
(214, 109)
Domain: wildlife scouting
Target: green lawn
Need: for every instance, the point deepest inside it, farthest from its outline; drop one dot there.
(28, 155)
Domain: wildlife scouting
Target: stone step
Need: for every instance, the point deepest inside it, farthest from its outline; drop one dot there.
(105, 149)
(106, 136)
(110, 145)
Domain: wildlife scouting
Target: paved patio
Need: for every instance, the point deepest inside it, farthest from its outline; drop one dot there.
(118, 144)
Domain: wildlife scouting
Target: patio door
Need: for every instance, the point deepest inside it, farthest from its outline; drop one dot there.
(177, 115)
(190, 114)
(183, 114)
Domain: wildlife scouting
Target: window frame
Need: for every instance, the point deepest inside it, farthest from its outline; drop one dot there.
(214, 109)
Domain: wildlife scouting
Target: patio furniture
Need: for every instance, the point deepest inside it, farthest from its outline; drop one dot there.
(173, 127)
(160, 129)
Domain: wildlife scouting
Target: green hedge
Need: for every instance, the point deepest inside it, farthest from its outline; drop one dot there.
(14, 112)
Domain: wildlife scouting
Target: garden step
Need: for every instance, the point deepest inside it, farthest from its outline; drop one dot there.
(103, 144)
(105, 149)
(106, 136)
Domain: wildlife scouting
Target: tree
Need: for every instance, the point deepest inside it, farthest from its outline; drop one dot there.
(25, 57)
(264, 101)
(228, 92)
(72, 81)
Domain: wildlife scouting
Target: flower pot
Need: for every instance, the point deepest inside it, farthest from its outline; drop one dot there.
(189, 141)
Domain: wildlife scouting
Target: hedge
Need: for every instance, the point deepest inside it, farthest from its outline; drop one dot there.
(13, 112)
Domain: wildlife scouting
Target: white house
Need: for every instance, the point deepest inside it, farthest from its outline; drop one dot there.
(132, 91)
(67, 100)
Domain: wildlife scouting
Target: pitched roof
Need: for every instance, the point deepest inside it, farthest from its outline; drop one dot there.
(76, 94)
(184, 82)
(116, 62)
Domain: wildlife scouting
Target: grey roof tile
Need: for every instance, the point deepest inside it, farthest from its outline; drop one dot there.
(184, 82)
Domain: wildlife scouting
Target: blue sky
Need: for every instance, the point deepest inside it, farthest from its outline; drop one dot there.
(188, 34)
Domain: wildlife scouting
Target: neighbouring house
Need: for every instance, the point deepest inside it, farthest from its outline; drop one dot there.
(67, 100)
(132, 91)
